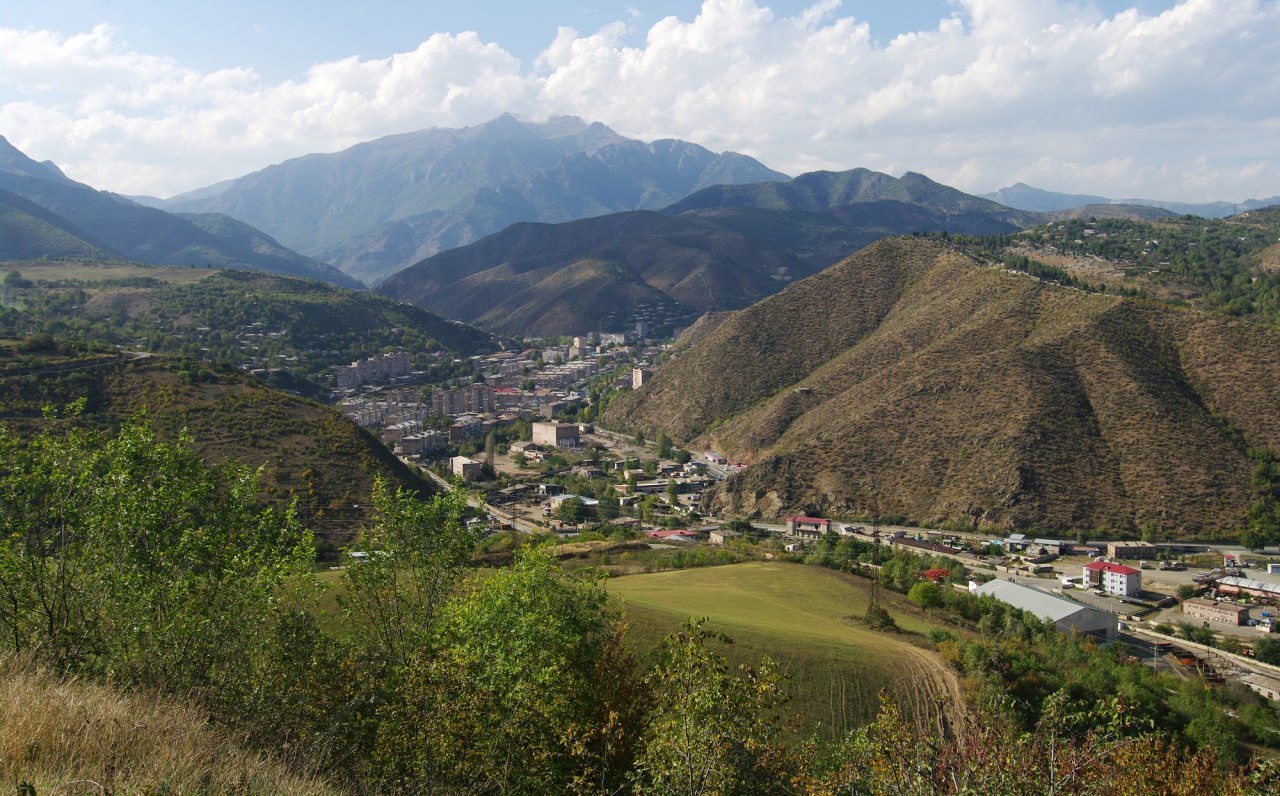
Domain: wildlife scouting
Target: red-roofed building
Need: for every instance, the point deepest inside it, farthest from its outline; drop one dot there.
(808, 527)
(1112, 578)
(672, 536)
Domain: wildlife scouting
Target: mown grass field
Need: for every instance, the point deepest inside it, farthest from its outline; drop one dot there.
(806, 619)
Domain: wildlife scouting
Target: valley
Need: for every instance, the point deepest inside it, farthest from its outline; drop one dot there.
(636, 458)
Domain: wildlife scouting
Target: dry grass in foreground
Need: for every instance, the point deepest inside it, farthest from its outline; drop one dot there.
(69, 736)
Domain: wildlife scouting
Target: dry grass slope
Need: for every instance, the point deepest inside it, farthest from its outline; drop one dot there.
(913, 378)
(67, 736)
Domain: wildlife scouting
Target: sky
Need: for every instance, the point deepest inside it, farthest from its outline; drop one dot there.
(1159, 99)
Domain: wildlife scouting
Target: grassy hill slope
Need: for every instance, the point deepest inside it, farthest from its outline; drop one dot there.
(63, 735)
(806, 619)
(912, 379)
(27, 230)
(308, 452)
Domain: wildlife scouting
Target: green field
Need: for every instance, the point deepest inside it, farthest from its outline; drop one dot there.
(97, 271)
(806, 619)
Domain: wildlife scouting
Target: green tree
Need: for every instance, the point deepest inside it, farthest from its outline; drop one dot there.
(416, 550)
(532, 691)
(1187, 590)
(124, 554)
(712, 730)
(15, 279)
(925, 594)
(662, 445)
(1267, 650)
(571, 510)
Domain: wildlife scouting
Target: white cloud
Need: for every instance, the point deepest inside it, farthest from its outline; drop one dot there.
(1180, 104)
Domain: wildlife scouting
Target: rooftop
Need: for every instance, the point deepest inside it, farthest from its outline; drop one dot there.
(1107, 566)
(1040, 603)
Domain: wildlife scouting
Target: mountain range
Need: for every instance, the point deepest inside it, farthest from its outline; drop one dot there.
(1025, 197)
(913, 380)
(58, 216)
(720, 248)
(382, 205)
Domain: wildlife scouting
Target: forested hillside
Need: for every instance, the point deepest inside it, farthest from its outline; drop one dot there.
(276, 324)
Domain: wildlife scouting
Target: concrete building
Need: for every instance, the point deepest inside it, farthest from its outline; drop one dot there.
(424, 443)
(464, 468)
(1066, 615)
(1130, 550)
(1211, 611)
(475, 398)
(808, 527)
(1112, 578)
(372, 370)
(560, 435)
(640, 376)
(467, 427)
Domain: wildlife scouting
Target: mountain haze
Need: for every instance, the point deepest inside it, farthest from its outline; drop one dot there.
(912, 380)
(1025, 197)
(823, 190)
(382, 205)
(119, 227)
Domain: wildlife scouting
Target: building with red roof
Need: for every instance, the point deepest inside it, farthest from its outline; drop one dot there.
(672, 536)
(1112, 578)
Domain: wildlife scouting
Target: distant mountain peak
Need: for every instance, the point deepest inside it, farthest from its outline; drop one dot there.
(15, 161)
(382, 205)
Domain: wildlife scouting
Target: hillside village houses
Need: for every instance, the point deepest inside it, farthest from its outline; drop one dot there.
(508, 385)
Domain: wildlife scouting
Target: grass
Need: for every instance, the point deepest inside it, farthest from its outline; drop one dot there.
(806, 619)
(68, 736)
(97, 271)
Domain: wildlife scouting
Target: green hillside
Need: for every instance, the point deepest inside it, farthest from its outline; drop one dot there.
(27, 230)
(295, 326)
(806, 619)
(308, 453)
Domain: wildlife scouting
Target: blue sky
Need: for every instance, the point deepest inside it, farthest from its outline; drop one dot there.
(1156, 98)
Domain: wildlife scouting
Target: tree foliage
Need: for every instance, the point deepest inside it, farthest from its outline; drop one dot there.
(129, 556)
(713, 730)
(415, 553)
(531, 690)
